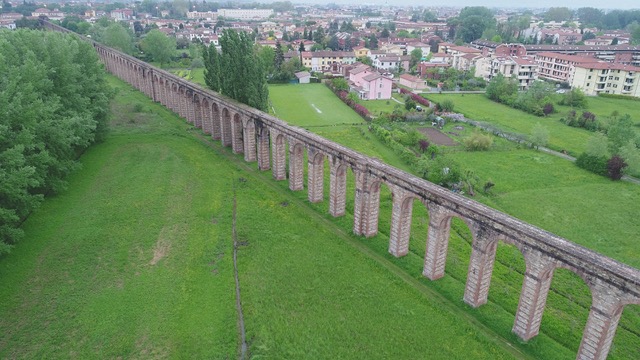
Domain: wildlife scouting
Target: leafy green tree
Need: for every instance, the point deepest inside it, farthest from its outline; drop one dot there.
(620, 133)
(416, 57)
(241, 71)
(212, 72)
(631, 155)
(502, 89)
(54, 103)
(597, 145)
(472, 22)
(117, 37)
(158, 46)
(278, 58)
(539, 136)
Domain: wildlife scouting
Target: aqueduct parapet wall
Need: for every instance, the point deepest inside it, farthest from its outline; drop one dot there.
(264, 138)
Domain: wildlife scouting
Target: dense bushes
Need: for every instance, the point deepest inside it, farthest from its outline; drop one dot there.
(478, 141)
(54, 103)
(338, 87)
(594, 163)
(415, 97)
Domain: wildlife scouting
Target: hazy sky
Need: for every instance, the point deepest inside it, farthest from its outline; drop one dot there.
(610, 4)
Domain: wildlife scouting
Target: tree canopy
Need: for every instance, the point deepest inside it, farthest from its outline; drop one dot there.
(237, 72)
(158, 46)
(54, 103)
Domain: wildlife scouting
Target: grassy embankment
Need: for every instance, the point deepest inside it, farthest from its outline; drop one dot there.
(134, 261)
(541, 189)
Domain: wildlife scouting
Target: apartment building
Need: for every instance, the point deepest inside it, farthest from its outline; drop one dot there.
(608, 78)
(558, 67)
(326, 60)
(524, 69)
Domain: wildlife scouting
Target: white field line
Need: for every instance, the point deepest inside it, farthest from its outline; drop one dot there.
(315, 107)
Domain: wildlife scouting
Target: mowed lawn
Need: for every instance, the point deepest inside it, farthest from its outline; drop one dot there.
(134, 260)
(307, 105)
(299, 105)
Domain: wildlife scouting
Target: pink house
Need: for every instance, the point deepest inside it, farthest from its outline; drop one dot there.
(369, 84)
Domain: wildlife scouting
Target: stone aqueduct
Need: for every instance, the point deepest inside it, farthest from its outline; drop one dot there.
(265, 139)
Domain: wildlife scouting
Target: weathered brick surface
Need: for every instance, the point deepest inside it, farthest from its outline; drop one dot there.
(296, 170)
(613, 284)
(337, 187)
(249, 143)
(279, 158)
(315, 176)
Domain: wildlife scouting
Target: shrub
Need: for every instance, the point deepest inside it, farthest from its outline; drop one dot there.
(478, 142)
(615, 165)
(548, 109)
(447, 105)
(593, 163)
(410, 105)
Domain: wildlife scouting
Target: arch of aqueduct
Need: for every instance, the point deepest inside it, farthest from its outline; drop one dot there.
(265, 139)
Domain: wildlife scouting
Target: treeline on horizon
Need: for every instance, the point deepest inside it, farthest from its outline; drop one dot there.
(54, 103)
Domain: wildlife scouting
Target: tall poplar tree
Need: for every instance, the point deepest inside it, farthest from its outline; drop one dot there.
(238, 71)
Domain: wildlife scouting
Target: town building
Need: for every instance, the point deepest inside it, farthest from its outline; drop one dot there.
(608, 78)
(558, 67)
(245, 14)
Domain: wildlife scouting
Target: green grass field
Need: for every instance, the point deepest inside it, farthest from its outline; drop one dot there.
(556, 195)
(478, 107)
(134, 261)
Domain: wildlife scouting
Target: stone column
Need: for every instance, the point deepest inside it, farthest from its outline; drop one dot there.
(237, 138)
(315, 175)
(196, 105)
(367, 204)
(263, 147)
(216, 129)
(483, 254)
(206, 116)
(279, 155)
(249, 141)
(602, 323)
(337, 187)
(435, 257)
(296, 170)
(400, 222)
(191, 108)
(533, 298)
(225, 127)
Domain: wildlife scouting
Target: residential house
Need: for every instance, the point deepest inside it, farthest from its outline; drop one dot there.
(413, 82)
(326, 60)
(121, 14)
(392, 63)
(369, 84)
(608, 78)
(54, 14)
(360, 51)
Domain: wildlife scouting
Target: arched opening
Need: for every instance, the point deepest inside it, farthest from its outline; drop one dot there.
(225, 127)
(626, 342)
(237, 134)
(197, 109)
(567, 308)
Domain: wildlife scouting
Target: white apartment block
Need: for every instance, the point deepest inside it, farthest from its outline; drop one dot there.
(608, 78)
(245, 14)
(521, 69)
(558, 67)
